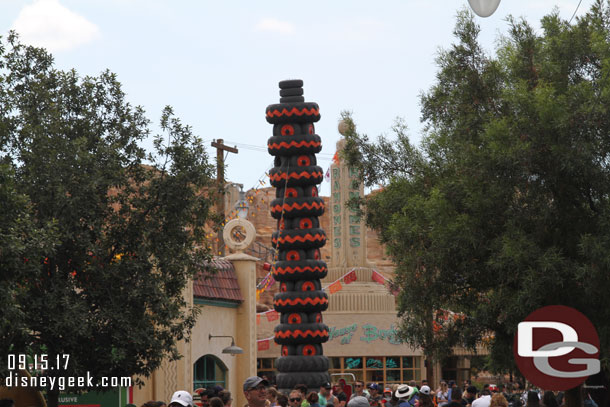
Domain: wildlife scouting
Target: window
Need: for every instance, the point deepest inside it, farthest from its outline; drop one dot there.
(208, 372)
(380, 369)
(265, 367)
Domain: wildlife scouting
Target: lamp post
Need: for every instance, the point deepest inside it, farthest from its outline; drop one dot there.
(484, 8)
(231, 350)
(242, 205)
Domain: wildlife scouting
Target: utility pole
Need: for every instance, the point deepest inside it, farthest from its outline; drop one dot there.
(220, 178)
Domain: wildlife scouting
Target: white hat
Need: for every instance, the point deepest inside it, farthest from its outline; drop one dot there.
(182, 397)
(425, 390)
(404, 391)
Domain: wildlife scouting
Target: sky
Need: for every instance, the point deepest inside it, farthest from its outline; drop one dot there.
(218, 63)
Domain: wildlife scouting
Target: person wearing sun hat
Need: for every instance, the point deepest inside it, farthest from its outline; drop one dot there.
(407, 395)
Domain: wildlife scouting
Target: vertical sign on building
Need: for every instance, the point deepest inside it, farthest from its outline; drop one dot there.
(348, 232)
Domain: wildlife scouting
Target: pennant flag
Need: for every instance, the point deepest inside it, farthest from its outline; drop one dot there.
(272, 316)
(258, 320)
(327, 175)
(263, 345)
(334, 287)
(378, 278)
(350, 277)
(258, 295)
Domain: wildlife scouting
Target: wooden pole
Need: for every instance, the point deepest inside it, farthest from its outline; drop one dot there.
(220, 178)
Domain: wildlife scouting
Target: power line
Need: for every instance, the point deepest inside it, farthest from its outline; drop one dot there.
(575, 12)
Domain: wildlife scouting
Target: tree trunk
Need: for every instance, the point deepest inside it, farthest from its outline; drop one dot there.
(430, 372)
(573, 398)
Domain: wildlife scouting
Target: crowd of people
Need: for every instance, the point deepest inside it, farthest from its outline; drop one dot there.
(259, 393)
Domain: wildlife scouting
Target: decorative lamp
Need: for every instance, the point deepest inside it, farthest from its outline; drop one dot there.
(484, 8)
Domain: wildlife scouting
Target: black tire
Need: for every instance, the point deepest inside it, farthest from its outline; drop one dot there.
(298, 91)
(304, 286)
(306, 112)
(292, 99)
(292, 256)
(280, 177)
(311, 349)
(309, 191)
(302, 160)
(297, 207)
(295, 161)
(291, 83)
(286, 286)
(306, 222)
(289, 129)
(293, 145)
(294, 318)
(317, 363)
(296, 334)
(288, 350)
(307, 302)
(315, 318)
(313, 380)
(299, 270)
(291, 239)
(292, 192)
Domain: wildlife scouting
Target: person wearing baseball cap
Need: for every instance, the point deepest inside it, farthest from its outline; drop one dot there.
(255, 390)
(181, 398)
(374, 396)
(326, 397)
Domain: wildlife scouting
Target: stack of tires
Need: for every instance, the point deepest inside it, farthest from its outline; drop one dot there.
(298, 239)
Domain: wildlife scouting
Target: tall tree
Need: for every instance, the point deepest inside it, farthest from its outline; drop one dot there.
(128, 227)
(505, 205)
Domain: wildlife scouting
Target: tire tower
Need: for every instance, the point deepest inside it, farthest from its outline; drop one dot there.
(298, 239)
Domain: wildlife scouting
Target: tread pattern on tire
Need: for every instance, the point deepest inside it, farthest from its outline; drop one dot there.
(282, 176)
(296, 334)
(297, 207)
(292, 99)
(299, 270)
(297, 91)
(307, 302)
(290, 239)
(313, 380)
(290, 83)
(298, 144)
(317, 363)
(292, 112)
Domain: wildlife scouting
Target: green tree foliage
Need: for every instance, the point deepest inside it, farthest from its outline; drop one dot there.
(101, 236)
(505, 205)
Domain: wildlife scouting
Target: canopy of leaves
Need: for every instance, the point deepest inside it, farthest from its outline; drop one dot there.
(505, 206)
(98, 239)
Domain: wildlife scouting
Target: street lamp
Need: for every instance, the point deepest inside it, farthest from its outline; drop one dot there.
(231, 350)
(242, 205)
(484, 8)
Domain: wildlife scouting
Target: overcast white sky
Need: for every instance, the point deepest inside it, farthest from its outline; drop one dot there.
(218, 62)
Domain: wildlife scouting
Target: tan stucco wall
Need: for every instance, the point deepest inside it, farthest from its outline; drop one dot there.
(216, 320)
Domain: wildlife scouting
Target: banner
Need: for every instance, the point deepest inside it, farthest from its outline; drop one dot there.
(350, 277)
(263, 345)
(378, 278)
(272, 315)
(334, 287)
